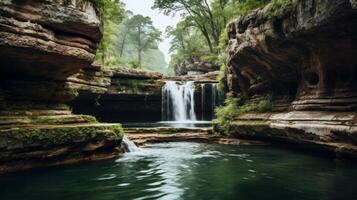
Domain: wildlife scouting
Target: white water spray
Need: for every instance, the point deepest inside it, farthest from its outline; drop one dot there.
(129, 145)
(178, 101)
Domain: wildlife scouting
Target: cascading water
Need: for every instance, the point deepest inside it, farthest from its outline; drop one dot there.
(178, 101)
(129, 145)
(210, 99)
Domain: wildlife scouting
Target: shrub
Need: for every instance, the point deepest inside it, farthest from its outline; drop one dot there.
(235, 106)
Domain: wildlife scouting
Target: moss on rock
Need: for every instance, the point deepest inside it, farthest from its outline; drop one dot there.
(57, 120)
(51, 136)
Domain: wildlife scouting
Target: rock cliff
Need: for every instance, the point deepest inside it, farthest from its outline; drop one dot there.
(120, 94)
(303, 55)
(41, 44)
(195, 66)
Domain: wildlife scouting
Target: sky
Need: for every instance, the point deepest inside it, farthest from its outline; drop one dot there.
(160, 20)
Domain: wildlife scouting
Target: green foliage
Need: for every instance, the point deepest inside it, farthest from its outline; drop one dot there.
(235, 106)
(134, 64)
(223, 40)
(112, 13)
(275, 5)
(222, 78)
(202, 32)
(211, 58)
(131, 42)
(144, 35)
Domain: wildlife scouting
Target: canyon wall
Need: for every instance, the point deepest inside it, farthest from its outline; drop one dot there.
(118, 94)
(303, 56)
(42, 43)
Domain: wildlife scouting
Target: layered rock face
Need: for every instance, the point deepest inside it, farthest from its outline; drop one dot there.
(41, 44)
(304, 56)
(124, 95)
(195, 66)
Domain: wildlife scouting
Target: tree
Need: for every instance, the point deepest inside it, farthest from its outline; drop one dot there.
(198, 12)
(124, 32)
(144, 35)
(209, 16)
(112, 13)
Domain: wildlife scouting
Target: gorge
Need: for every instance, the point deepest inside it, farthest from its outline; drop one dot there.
(278, 121)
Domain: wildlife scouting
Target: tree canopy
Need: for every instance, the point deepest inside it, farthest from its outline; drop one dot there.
(201, 33)
(128, 40)
(132, 40)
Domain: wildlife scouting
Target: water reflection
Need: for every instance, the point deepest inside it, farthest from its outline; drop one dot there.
(190, 171)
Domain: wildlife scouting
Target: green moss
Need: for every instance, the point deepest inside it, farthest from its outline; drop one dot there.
(72, 92)
(53, 136)
(275, 5)
(118, 130)
(235, 106)
(58, 120)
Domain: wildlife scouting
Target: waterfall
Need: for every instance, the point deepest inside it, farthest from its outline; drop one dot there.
(129, 145)
(210, 99)
(178, 101)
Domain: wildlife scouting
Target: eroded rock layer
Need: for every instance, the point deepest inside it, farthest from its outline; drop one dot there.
(124, 95)
(41, 44)
(304, 56)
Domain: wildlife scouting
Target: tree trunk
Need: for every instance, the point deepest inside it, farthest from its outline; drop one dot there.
(139, 47)
(122, 45)
(208, 39)
(139, 59)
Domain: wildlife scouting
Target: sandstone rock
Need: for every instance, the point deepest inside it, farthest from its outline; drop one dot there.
(143, 136)
(41, 44)
(209, 77)
(304, 56)
(118, 94)
(49, 39)
(194, 66)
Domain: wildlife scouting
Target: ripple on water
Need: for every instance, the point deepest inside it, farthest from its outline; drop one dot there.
(107, 177)
(191, 171)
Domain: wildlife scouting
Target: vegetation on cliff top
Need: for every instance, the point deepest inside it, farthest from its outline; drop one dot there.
(201, 34)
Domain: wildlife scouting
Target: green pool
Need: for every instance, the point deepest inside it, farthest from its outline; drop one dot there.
(191, 171)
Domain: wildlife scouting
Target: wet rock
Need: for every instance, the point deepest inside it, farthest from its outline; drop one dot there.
(143, 136)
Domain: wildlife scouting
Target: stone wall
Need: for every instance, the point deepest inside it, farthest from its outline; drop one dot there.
(304, 56)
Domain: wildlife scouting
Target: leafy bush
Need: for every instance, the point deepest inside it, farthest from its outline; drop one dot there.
(235, 106)
(222, 78)
(275, 5)
(134, 64)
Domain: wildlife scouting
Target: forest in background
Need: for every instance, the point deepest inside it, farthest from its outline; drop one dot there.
(132, 41)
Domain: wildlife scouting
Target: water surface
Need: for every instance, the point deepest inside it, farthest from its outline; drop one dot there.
(170, 124)
(191, 171)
